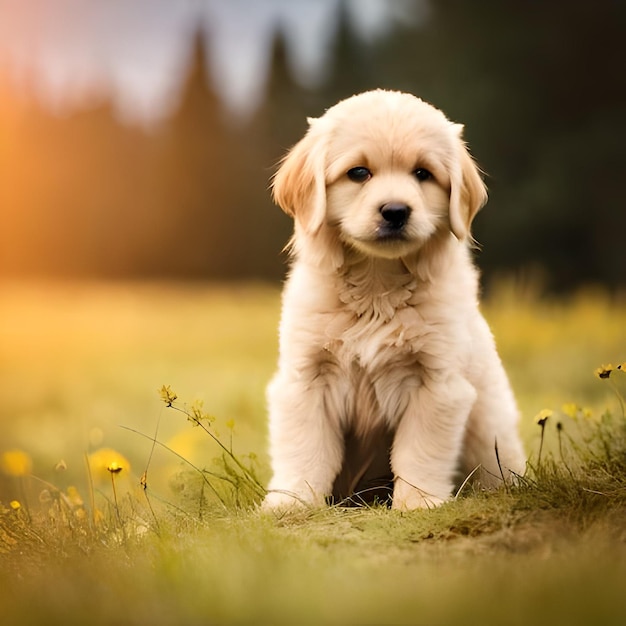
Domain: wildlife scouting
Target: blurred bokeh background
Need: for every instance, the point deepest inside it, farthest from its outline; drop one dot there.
(137, 137)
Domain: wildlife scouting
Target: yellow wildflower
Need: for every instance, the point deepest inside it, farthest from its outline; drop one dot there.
(114, 467)
(570, 409)
(106, 461)
(15, 505)
(542, 417)
(604, 371)
(167, 395)
(16, 463)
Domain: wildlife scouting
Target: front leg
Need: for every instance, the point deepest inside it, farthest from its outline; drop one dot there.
(428, 442)
(306, 441)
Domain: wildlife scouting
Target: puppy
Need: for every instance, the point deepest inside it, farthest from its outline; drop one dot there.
(388, 378)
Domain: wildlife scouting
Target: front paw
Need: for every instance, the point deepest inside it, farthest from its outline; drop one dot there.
(407, 497)
(283, 500)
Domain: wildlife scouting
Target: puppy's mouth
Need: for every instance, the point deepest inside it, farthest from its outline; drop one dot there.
(385, 242)
(392, 235)
(385, 233)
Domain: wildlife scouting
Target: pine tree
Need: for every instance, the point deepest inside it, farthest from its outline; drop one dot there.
(196, 215)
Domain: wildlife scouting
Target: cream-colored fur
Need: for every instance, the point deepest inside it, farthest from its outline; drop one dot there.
(381, 332)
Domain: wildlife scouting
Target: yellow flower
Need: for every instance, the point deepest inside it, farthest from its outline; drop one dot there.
(570, 409)
(16, 463)
(15, 505)
(604, 371)
(542, 417)
(106, 461)
(167, 395)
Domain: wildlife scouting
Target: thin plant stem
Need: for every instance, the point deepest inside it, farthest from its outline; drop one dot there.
(117, 508)
(182, 458)
(230, 453)
(506, 487)
(543, 428)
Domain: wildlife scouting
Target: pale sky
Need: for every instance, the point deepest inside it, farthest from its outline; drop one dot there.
(136, 51)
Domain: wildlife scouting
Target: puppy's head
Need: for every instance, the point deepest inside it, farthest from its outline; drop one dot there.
(386, 170)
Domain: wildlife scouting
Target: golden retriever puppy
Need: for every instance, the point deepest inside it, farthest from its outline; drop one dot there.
(388, 375)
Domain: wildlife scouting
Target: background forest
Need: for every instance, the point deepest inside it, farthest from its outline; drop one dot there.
(539, 85)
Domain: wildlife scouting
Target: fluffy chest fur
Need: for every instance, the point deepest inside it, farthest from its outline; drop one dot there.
(387, 310)
(376, 330)
(376, 319)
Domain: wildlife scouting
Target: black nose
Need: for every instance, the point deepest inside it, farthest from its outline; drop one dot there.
(395, 214)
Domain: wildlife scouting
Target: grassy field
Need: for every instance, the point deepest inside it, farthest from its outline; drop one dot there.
(82, 541)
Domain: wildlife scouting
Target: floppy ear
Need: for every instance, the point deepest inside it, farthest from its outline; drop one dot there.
(468, 193)
(299, 185)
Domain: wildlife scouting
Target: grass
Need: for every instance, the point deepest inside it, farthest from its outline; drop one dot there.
(82, 541)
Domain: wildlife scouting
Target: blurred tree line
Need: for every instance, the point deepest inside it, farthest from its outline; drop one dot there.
(540, 87)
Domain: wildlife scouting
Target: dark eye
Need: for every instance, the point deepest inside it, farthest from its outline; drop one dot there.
(422, 174)
(359, 174)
